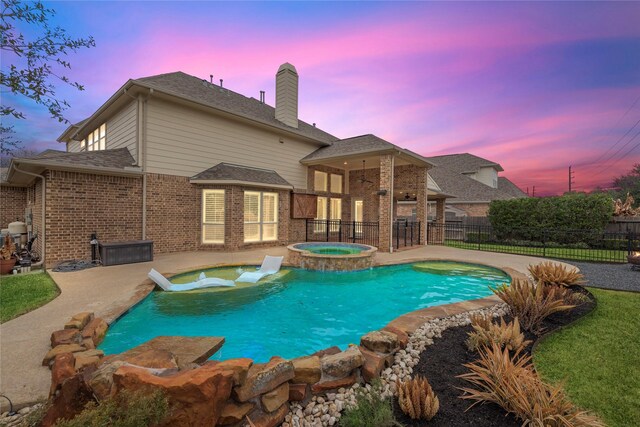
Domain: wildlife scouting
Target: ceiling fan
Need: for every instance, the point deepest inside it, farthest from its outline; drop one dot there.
(363, 180)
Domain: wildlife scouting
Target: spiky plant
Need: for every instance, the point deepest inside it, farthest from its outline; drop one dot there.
(506, 334)
(8, 248)
(511, 382)
(555, 274)
(417, 399)
(530, 303)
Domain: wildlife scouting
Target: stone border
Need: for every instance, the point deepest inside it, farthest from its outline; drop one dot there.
(304, 258)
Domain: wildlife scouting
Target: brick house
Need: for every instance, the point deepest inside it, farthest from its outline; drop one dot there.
(473, 182)
(192, 165)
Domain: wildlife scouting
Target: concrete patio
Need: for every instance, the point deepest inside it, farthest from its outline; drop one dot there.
(108, 291)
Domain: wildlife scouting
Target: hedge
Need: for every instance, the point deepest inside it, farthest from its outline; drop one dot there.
(526, 218)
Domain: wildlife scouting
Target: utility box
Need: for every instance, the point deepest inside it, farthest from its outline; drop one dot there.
(126, 252)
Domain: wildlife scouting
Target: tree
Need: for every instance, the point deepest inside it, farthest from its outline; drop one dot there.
(629, 183)
(35, 64)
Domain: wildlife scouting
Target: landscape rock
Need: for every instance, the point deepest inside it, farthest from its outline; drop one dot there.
(63, 367)
(88, 357)
(297, 392)
(380, 341)
(403, 337)
(196, 397)
(277, 397)
(66, 336)
(101, 380)
(341, 364)
(264, 377)
(88, 343)
(327, 351)
(69, 400)
(96, 330)
(307, 369)
(64, 348)
(333, 384)
(153, 358)
(79, 321)
(240, 368)
(373, 364)
(234, 413)
(272, 419)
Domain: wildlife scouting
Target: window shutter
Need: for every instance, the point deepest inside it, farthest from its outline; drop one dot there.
(213, 216)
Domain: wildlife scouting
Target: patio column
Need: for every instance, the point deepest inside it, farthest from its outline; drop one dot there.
(439, 232)
(385, 214)
(421, 203)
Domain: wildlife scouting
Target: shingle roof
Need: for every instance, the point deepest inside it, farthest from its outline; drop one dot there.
(119, 158)
(463, 163)
(509, 187)
(198, 90)
(240, 173)
(467, 189)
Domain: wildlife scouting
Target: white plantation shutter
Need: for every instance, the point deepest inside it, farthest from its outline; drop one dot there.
(213, 216)
(260, 216)
(336, 183)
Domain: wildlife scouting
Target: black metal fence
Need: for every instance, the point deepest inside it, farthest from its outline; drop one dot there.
(406, 233)
(579, 245)
(336, 230)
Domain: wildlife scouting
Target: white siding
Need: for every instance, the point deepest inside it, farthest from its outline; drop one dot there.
(487, 176)
(121, 129)
(73, 146)
(183, 141)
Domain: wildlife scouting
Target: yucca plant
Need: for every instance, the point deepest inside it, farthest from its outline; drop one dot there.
(417, 399)
(531, 303)
(555, 274)
(506, 334)
(511, 382)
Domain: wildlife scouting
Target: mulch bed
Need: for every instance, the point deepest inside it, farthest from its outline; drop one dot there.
(441, 362)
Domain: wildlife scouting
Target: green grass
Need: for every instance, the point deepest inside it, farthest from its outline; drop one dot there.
(598, 358)
(602, 255)
(20, 294)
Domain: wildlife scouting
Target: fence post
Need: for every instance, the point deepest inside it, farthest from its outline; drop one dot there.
(306, 230)
(629, 243)
(340, 230)
(478, 236)
(353, 231)
(327, 230)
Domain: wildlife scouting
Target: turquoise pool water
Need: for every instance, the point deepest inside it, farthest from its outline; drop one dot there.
(299, 311)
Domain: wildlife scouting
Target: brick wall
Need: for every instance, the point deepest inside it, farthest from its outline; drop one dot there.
(13, 201)
(79, 204)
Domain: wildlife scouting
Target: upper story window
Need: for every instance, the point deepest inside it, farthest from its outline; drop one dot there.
(96, 140)
(320, 181)
(336, 183)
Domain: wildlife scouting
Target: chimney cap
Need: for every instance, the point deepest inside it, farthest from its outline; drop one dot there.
(288, 67)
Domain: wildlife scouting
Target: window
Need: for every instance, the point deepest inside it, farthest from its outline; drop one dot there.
(336, 183)
(321, 214)
(260, 216)
(212, 216)
(335, 213)
(320, 181)
(96, 140)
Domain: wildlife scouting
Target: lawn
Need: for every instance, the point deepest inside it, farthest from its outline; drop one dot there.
(601, 255)
(22, 293)
(599, 358)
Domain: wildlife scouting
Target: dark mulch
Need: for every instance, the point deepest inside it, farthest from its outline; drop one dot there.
(442, 362)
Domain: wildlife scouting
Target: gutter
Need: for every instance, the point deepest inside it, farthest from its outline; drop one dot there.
(44, 191)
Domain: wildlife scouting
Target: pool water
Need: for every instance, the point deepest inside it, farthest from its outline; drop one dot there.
(299, 312)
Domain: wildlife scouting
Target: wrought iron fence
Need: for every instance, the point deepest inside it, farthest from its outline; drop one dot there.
(579, 245)
(406, 233)
(336, 230)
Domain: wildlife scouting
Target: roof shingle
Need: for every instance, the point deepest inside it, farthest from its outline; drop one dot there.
(240, 173)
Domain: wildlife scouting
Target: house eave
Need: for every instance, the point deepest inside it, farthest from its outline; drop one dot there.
(239, 183)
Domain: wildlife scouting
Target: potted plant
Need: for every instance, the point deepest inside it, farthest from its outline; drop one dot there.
(7, 255)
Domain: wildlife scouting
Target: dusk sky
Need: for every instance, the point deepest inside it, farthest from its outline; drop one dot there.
(535, 87)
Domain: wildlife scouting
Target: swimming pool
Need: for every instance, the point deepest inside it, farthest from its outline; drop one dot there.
(299, 312)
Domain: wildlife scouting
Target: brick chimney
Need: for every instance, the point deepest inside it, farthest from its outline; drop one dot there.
(287, 95)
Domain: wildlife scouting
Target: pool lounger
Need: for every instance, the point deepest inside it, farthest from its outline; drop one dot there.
(202, 282)
(270, 265)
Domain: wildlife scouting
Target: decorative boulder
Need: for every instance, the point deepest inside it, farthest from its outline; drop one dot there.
(64, 348)
(79, 321)
(101, 380)
(373, 364)
(277, 397)
(240, 368)
(264, 377)
(96, 330)
(88, 357)
(234, 413)
(297, 392)
(63, 367)
(70, 399)
(380, 341)
(307, 369)
(66, 336)
(272, 419)
(196, 397)
(403, 337)
(159, 359)
(342, 364)
(333, 384)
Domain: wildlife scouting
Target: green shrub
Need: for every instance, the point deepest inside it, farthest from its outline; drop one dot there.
(124, 410)
(371, 410)
(524, 219)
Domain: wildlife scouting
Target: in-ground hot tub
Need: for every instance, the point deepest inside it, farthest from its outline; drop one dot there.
(329, 256)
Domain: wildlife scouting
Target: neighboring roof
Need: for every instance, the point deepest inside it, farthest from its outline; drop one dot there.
(198, 90)
(227, 173)
(463, 163)
(509, 187)
(358, 145)
(467, 189)
(118, 161)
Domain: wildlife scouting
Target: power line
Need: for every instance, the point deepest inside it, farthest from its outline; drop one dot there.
(594, 163)
(605, 167)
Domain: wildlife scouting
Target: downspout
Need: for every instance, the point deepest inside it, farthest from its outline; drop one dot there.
(393, 167)
(44, 191)
(140, 123)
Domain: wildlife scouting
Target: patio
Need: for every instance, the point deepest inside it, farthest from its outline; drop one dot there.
(109, 291)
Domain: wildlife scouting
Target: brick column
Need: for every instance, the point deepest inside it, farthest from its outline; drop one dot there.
(384, 208)
(421, 202)
(439, 234)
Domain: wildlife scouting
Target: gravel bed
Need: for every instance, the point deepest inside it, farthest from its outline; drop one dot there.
(619, 277)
